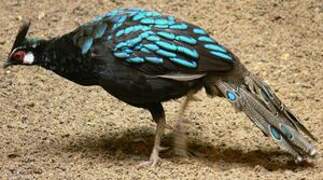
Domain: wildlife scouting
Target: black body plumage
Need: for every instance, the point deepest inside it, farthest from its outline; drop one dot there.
(144, 58)
(92, 54)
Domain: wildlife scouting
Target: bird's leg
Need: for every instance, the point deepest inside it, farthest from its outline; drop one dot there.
(154, 157)
(159, 118)
(180, 146)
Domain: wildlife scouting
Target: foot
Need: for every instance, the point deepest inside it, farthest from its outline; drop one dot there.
(153, 160)
(154, 157)
(180, 145)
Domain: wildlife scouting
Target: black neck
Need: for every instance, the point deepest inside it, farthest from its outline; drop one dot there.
(61, 56)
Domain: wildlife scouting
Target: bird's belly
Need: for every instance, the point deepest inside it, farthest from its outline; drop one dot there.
(146, 91)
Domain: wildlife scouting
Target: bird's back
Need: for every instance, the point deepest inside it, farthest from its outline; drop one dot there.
(153, 43)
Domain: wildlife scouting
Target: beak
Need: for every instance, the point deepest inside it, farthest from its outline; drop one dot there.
(7, 64)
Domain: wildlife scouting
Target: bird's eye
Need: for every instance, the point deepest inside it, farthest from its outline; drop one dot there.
(19, 55)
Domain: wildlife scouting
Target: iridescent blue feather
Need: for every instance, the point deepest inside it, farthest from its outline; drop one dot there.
(150, 34)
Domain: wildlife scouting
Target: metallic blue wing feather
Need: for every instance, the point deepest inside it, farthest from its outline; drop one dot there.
(145, 37)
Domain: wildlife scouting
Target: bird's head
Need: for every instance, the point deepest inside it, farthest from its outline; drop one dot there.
(24, 50)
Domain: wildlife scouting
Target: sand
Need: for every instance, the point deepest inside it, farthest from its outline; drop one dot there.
(51, 128)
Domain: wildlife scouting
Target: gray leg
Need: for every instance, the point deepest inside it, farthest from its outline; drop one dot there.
(180, 146)
(154, 157)
(159, 117)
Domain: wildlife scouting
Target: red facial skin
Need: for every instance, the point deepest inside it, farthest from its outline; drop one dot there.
(18, 56)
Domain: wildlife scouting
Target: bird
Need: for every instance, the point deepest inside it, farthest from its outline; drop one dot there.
(144, 58)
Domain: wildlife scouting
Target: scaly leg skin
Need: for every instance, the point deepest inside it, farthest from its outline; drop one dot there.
(180, 146)
(154, 156)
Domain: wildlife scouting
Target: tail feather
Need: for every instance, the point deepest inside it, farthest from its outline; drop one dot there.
(273, 103)
(263, 107)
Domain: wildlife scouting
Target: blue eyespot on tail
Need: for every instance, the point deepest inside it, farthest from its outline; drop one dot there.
(274, 133)
(231, 95)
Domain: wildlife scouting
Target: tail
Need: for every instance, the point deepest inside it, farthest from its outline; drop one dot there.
(262, 106)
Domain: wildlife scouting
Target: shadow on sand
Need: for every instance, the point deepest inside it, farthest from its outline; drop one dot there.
(139, 142)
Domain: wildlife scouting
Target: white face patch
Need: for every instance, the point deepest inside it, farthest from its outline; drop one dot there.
(29, 58)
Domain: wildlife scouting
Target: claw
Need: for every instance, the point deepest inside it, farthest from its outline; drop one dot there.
(154, 158)
(151, 162)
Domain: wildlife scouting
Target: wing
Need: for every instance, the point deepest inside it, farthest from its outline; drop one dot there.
(158, 45)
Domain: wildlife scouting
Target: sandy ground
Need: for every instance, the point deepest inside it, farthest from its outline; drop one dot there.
(51, 128)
